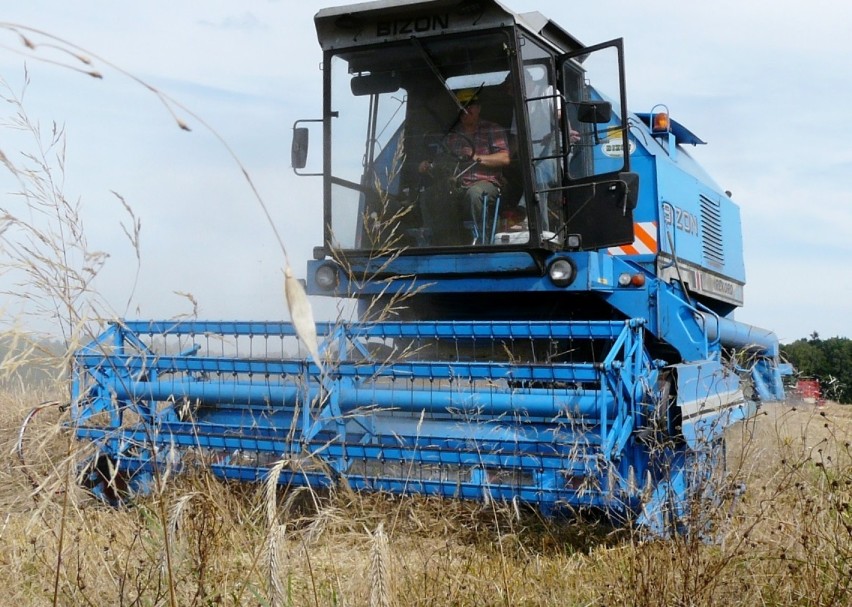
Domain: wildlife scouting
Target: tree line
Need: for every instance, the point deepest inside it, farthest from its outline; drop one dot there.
(828, 360)
(25, 361)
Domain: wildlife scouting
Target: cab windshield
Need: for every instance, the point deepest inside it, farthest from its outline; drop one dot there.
(402, 159)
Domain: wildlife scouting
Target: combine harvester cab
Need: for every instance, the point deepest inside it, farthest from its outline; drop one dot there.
(568, 343)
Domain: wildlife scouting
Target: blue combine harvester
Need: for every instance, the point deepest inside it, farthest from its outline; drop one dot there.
(567, 340)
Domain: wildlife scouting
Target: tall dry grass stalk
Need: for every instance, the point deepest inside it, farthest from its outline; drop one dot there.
(275, 535)
(383, 220)
(46, 256)
(380, 580)
(42, 46)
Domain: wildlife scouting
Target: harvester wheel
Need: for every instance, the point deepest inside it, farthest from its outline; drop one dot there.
(104, 480)
(661, 423)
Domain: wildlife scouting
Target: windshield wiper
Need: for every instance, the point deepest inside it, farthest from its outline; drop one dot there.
(432, 66)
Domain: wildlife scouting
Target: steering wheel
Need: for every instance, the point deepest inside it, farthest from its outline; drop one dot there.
(447, 162)
(440, 142)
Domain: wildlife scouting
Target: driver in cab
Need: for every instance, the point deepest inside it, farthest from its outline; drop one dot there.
(483, 150)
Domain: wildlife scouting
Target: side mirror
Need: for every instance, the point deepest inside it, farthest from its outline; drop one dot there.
(299, 148)
(594, 112)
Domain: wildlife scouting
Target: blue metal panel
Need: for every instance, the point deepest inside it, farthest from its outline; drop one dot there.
(643, 163)
(710, 399)
(490, 263)
(456, 274)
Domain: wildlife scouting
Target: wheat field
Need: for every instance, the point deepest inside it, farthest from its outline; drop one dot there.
(197, 541)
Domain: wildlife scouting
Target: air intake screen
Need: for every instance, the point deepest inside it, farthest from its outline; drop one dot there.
(711, 232)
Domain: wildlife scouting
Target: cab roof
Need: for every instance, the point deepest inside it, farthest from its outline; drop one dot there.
(385, 20)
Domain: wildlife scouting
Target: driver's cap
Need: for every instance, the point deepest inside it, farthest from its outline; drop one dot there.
(467, 96)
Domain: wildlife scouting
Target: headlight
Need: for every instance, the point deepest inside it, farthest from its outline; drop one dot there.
(326, 277)
(562, 272)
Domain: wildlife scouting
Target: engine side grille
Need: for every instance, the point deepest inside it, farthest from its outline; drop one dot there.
(711, 232)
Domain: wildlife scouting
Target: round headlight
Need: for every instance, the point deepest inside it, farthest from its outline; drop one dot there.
(562, 272)
(326, 277)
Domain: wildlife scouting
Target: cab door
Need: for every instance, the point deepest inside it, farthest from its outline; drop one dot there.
(600, 192)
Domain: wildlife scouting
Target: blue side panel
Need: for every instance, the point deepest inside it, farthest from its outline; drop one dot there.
(643, 163)
(700, 225)
(710, 399)
(678, 203)
(733, 239)
(684, 213)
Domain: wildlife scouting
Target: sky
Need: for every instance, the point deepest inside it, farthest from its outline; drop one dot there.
(768, 84)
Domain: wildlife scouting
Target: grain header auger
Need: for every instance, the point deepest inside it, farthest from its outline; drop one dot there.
(568, 344)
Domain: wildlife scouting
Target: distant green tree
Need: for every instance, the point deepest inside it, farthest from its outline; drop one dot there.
(828, 360)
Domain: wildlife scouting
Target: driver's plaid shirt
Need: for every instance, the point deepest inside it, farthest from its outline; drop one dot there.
(488, 138)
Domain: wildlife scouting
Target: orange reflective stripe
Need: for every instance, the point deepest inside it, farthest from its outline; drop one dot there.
(644, 241)
(647, 239)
